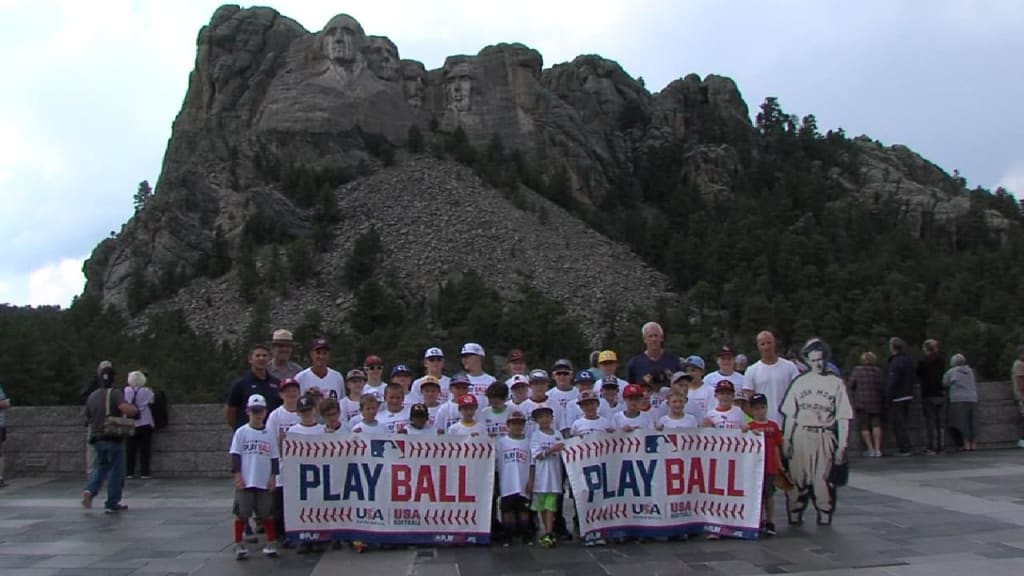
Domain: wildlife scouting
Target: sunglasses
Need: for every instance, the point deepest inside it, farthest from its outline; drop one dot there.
(561, 373)
(435, 359)
(374, 367)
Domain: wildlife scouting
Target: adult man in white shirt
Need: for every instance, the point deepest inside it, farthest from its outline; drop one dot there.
(771, 375)
(433, 363)
(318, 379)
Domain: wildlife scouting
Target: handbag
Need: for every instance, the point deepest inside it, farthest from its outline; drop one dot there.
(839, 475)
(117, 426)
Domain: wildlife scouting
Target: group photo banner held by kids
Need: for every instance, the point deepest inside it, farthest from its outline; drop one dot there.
(389, 490)
(644, 484)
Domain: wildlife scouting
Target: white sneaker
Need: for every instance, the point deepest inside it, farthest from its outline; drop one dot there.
(270, 550)
(1020, 443)
(241, 552)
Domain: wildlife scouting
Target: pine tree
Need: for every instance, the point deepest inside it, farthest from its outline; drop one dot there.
(142, 196)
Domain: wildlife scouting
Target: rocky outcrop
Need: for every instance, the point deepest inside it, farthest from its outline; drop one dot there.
(268, 100)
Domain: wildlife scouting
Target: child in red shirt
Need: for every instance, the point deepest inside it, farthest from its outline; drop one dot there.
(772, 457)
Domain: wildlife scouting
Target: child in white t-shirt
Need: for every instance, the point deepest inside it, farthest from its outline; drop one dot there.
(513, 452)
(254, 463)
(590, 421)
(725, 414)
(519, 385)
(448, 413)
(677, 418)
(419, 422)
(467, 424)
(610, 402)
(633, 417)
(366, 422)
(308, 424)
(330, 413)
(395, 415)
(495, 414)
(546, 471)
(355, 380)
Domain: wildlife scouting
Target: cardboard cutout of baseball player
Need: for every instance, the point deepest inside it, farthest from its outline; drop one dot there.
(816, 424)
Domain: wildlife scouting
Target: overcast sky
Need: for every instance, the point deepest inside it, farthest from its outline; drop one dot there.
(90, 89)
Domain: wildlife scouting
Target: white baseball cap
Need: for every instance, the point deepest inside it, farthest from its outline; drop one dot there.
(472, 348)
(256, 401)
(433, 353)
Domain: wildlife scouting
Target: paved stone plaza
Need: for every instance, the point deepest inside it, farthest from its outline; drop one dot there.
(956, 515)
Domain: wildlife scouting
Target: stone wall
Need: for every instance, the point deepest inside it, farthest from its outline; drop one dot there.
(51, 439)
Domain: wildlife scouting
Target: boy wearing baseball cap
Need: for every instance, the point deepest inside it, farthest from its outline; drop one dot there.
(419, 422)
(725, 414)
(772, 458)
(584, 382)
(538, 397)
(611, 398)
(254, 464)
(564, 394)
(467, 424)
(546, 471)
(633, 417)
(519, 386)
(608, 364)
(280, 420)
(355, 380)
(433, 364)
(513, 452)
(472, 356)
(308, 426)
(430, 396)
(373, 365)
(590, 421)
(402, 375)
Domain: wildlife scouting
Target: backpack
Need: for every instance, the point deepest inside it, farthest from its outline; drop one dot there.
(159, 410)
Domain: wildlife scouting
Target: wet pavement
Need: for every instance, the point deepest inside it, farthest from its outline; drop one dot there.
(936, 515)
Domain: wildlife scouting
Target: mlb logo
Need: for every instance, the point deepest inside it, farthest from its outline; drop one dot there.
(387, 448)
(661, 444)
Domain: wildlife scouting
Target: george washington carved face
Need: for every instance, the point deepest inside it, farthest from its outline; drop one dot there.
(343, 39)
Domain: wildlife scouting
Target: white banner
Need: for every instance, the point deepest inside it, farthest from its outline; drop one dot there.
(393, 489)
(648, 484)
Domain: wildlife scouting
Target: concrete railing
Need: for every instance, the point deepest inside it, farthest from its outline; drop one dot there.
(51, 439)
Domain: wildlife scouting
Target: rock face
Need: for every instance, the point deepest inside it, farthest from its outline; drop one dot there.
(267, 97)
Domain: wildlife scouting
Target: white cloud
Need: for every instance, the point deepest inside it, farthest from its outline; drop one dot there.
(1013, 180)
(55, 284)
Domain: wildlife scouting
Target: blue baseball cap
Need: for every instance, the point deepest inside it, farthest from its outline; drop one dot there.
(583, 376)
(695, 361)
(400, 369)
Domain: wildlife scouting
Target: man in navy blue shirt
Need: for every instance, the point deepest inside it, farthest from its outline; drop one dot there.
(256, 381)
(653, 358)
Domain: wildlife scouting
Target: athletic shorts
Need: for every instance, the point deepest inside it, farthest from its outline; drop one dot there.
(514, 504)
(768, 488)
(545, 502)
(253, 501)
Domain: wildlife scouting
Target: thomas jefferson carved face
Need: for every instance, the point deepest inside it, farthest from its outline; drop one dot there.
(458, 82)
(343, 39)
(382, 58)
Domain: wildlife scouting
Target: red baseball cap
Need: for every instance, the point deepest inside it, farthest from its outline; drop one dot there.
(632, 391)
(288, 382)
(373, 360)
(467, 400)
(724, 386)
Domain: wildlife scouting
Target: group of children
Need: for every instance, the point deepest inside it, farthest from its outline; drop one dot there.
(527, 418)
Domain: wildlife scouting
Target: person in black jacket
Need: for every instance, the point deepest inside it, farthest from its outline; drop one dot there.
(900, 392)
(104, 378)
(930, 369)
